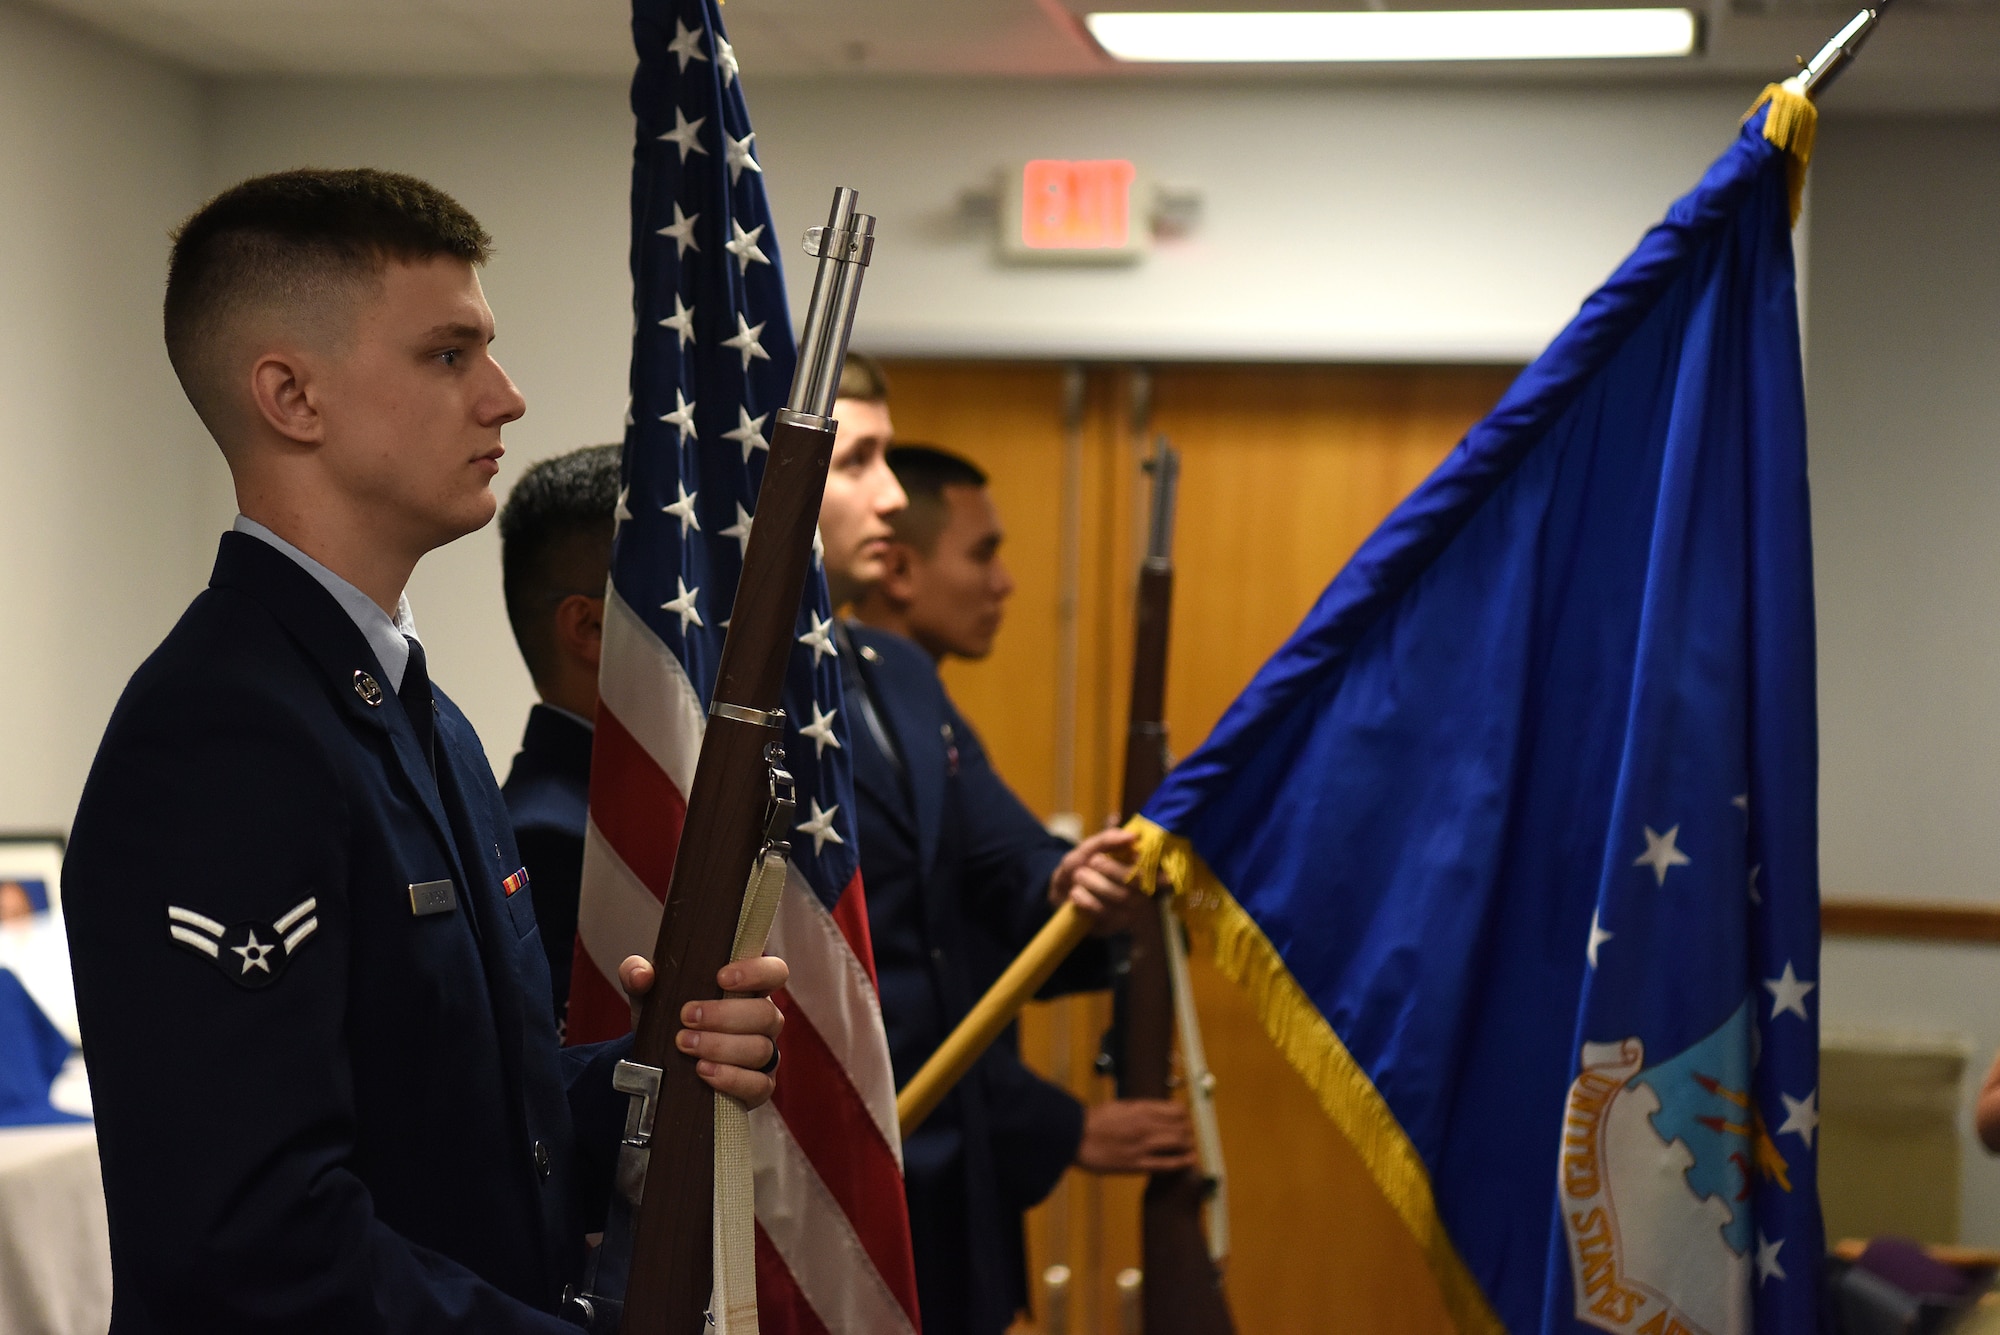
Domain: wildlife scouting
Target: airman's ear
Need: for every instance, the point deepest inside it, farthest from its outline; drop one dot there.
(580, 629)
(899, 572)
(281, 388)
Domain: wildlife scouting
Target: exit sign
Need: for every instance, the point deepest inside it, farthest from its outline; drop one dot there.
(1068, 211)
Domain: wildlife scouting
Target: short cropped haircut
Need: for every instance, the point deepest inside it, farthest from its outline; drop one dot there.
(298, 241)
(862, 378)
(555, 540)
(925, 471)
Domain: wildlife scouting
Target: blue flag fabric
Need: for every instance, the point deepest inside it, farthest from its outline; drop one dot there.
(32, 1053)
(1514, 840)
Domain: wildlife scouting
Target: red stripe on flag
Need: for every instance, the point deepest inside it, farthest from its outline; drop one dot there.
(850, 915)
(634, 805)
(781, 1308)
(597, 1006)
(827, 1118)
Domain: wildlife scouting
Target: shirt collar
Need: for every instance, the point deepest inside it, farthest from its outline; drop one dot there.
(588, 725)
(384, 635)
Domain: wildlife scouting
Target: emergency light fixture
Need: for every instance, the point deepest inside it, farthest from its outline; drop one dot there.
(1403, 35)
(1073, 211)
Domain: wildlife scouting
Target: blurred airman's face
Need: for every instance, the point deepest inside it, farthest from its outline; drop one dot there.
(861, 495)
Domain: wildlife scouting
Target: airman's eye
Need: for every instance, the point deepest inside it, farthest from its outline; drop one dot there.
(450, 356)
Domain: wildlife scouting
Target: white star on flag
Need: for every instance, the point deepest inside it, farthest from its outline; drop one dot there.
(725, 60)
(683, 509)
(683, 606)
(623, 512)
(681, 418)
(740, 530)
(681, 322)
(819, 548)
(1788, 993)
(749, 432)
(746, 342)
(1598, 936)
(254, 952)
(682, 232)
(820, 827)
(683, 135)
(1767, 1259)
(1801, 1116)
(686, 44)
(819, 639)
(821, 731)
(1661, 854)
(737, 151)
(743, 245)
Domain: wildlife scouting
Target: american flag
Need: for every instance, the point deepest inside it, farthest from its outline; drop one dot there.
(712, 359)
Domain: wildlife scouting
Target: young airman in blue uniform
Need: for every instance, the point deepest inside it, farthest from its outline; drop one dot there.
(960, 875)
(328, 1092)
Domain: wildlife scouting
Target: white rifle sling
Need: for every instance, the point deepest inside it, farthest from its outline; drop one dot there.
(1201, 1083)
(733, 1303)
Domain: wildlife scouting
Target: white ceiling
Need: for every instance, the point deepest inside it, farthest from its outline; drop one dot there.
(1929, 54)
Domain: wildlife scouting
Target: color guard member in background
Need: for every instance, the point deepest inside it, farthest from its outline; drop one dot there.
(959, 876)
(555, 555)
(328, 1092)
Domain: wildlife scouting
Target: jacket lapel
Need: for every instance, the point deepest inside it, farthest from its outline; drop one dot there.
(499, 946)
(330, 639)
(899, 700)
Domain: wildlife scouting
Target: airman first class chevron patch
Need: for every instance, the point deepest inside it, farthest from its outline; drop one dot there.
(252, 955)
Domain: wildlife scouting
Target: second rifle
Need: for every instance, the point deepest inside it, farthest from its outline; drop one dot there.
(1181, 1291)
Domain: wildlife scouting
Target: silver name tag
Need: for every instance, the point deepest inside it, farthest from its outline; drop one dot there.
(428, 897)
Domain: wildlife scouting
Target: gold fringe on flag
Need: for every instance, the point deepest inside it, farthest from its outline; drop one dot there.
(1343, 1089)
(1790, 126)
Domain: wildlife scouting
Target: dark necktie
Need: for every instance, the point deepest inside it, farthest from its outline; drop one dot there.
(415, 694)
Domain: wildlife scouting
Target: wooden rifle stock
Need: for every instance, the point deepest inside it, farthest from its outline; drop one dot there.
(739, 800)
(668, 1288)
(1182, 1293)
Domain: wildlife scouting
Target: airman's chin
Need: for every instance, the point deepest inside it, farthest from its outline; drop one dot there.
(473, 514)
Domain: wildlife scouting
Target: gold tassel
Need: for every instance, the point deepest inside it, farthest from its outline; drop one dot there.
(1790, 126)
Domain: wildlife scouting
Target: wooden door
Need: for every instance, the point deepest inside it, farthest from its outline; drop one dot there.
(1285, 470)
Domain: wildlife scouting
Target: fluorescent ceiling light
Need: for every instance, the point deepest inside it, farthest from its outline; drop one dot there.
(1375, 35)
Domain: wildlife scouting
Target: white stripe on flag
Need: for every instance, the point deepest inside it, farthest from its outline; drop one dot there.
(834, 1272)
(648, 691)
(832, 990)
(617, 915)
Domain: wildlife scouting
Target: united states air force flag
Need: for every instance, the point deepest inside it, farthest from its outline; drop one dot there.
(1513, 842)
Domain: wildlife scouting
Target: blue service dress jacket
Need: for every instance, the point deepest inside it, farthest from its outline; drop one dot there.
(328, 1092)
(956, 871)
(548, 798)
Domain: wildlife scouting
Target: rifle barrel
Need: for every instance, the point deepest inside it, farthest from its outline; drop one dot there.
(671, 1273)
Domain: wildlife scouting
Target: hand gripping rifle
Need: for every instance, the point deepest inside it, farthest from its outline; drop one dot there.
(1182, 1289)
(678, 1248)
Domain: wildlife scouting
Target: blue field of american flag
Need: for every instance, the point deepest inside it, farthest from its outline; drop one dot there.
(712, 361)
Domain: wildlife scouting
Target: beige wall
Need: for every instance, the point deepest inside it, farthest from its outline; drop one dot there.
(101, 463)
(1904, 389)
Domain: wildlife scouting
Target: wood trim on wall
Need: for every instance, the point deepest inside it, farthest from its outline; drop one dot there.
(1911, 920)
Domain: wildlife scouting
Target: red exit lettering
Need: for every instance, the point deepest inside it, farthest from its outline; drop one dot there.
(1076, 205)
